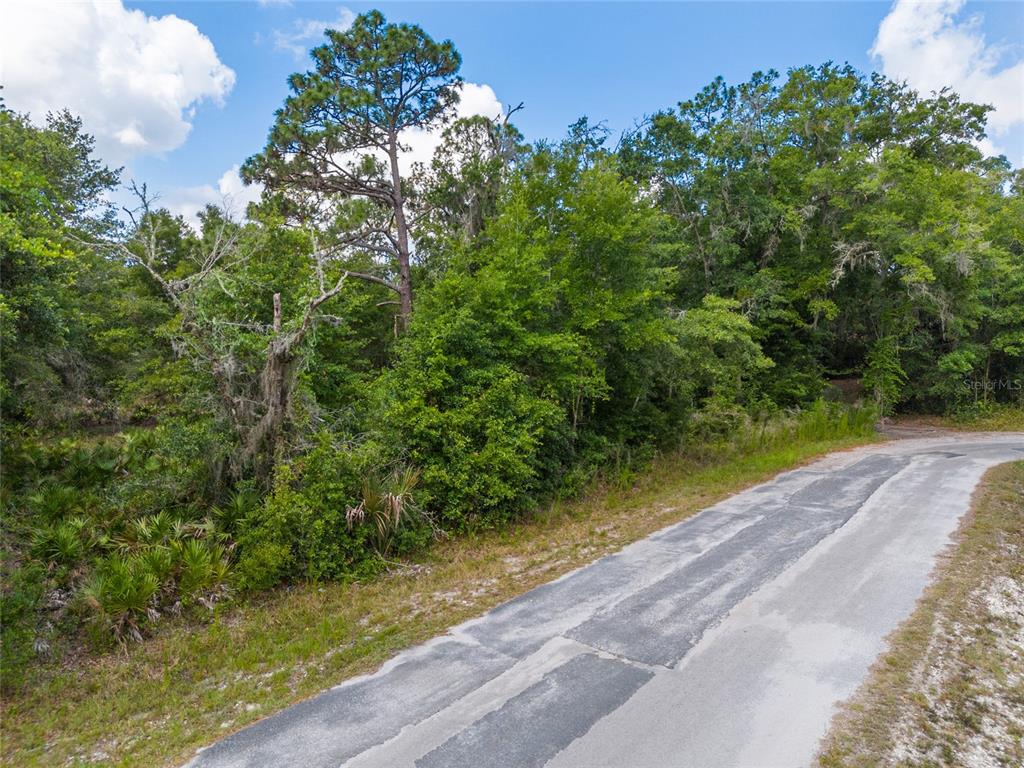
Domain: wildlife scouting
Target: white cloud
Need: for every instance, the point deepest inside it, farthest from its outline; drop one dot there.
(931, 45)
(476, 99)
(134, 79)
(230, 193)
(187, 202)
(235, 192)
(303, 34)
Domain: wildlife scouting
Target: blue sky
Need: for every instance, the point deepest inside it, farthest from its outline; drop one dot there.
(610, 61)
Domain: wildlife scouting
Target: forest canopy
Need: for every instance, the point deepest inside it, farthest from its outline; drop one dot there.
(369, 357)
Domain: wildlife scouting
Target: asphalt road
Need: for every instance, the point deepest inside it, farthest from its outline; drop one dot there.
(723, 641)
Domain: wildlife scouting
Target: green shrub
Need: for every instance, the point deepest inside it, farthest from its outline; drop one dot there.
(159, 528)
(90, 465)
(481, 449)
(546, 349)
(717, 420)
(179, 463)
(884, 376)
(988, 415)
(266, 560)
(159, 561)
(203, 566)
(719, 361)
(72, 513)
(388, 506)
(64, 543)
(54, 502)
(229, 515)
(120, 596)
(127, 590)
(333, 513)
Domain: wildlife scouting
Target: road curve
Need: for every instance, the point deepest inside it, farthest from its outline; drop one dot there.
(725, 640)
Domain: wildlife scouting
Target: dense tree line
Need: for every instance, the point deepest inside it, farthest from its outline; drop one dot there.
(370, 355)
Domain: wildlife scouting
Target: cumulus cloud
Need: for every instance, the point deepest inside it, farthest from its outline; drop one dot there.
(135, 80)
(230, 193)
(303, 34)
(420, 144)
(932, 45)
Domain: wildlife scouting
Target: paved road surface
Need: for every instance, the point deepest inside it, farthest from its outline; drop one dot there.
(722, 641)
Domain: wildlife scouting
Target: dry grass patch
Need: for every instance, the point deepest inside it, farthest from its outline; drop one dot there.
(950, 689)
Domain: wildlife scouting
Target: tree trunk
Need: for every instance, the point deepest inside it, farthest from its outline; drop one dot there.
(402, 236)
(277, 381)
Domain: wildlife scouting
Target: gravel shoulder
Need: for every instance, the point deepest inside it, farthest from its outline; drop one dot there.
(949, 689)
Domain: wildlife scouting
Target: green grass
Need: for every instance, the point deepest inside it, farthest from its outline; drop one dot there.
(996, 419)
(950, 672)
(156, 702)
(1002, 419)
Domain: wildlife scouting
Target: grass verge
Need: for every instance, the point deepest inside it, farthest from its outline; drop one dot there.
(155, 703)
(998, 419)
(950, 689)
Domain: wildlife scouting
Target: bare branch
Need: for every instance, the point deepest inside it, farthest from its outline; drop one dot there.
(374, 279)
(510, 110)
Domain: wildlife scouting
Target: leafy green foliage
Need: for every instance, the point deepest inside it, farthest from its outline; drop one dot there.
(839, 210)
(240, 405)
(329, 516)
(20, 603)
(521, 345)
(719, 352)
(387, 504)
(72, 325)
(884, 377)
(119, 594)
(62, 543)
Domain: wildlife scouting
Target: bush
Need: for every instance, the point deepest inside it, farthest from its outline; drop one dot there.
(55, 501)
(884, 376)
(481, 449)
(166, 568)
(387, 505)
(332, 514)
(203, 566)
(717, 420)
(547, 349)
(239, 505)
(720, 361)
(266, 559)
(120, 596)
(64, 543)
(80, 513)
(178, 463)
